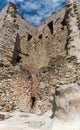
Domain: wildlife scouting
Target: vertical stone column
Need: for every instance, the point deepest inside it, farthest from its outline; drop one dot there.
(73, 43)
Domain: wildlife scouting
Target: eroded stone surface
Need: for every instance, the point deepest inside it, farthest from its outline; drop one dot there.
(66, 101)
(33, 60)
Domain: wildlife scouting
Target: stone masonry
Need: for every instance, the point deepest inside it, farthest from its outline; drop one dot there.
(34, 61)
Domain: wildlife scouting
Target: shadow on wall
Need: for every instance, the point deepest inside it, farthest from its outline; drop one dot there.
(16, 53)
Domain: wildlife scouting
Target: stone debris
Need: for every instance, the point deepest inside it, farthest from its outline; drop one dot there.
(66, 101)
(2, 117)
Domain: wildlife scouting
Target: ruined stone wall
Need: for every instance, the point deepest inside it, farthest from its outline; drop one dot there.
(73, 46)
(34, 60)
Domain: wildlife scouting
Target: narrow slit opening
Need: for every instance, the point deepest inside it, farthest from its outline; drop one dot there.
(40, 36)
(33, 100)
(50, 25)
(29, 37)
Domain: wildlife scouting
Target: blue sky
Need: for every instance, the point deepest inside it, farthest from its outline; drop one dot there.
(35, 11)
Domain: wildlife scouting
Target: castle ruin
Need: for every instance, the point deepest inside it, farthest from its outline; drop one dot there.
(36, 60)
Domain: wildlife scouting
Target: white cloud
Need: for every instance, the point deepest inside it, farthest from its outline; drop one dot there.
(20, 0)
(30, 6)
(14, 1)
(36, 11)
(33, 19)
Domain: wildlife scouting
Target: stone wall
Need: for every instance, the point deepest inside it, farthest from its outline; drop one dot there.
(34, 60)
